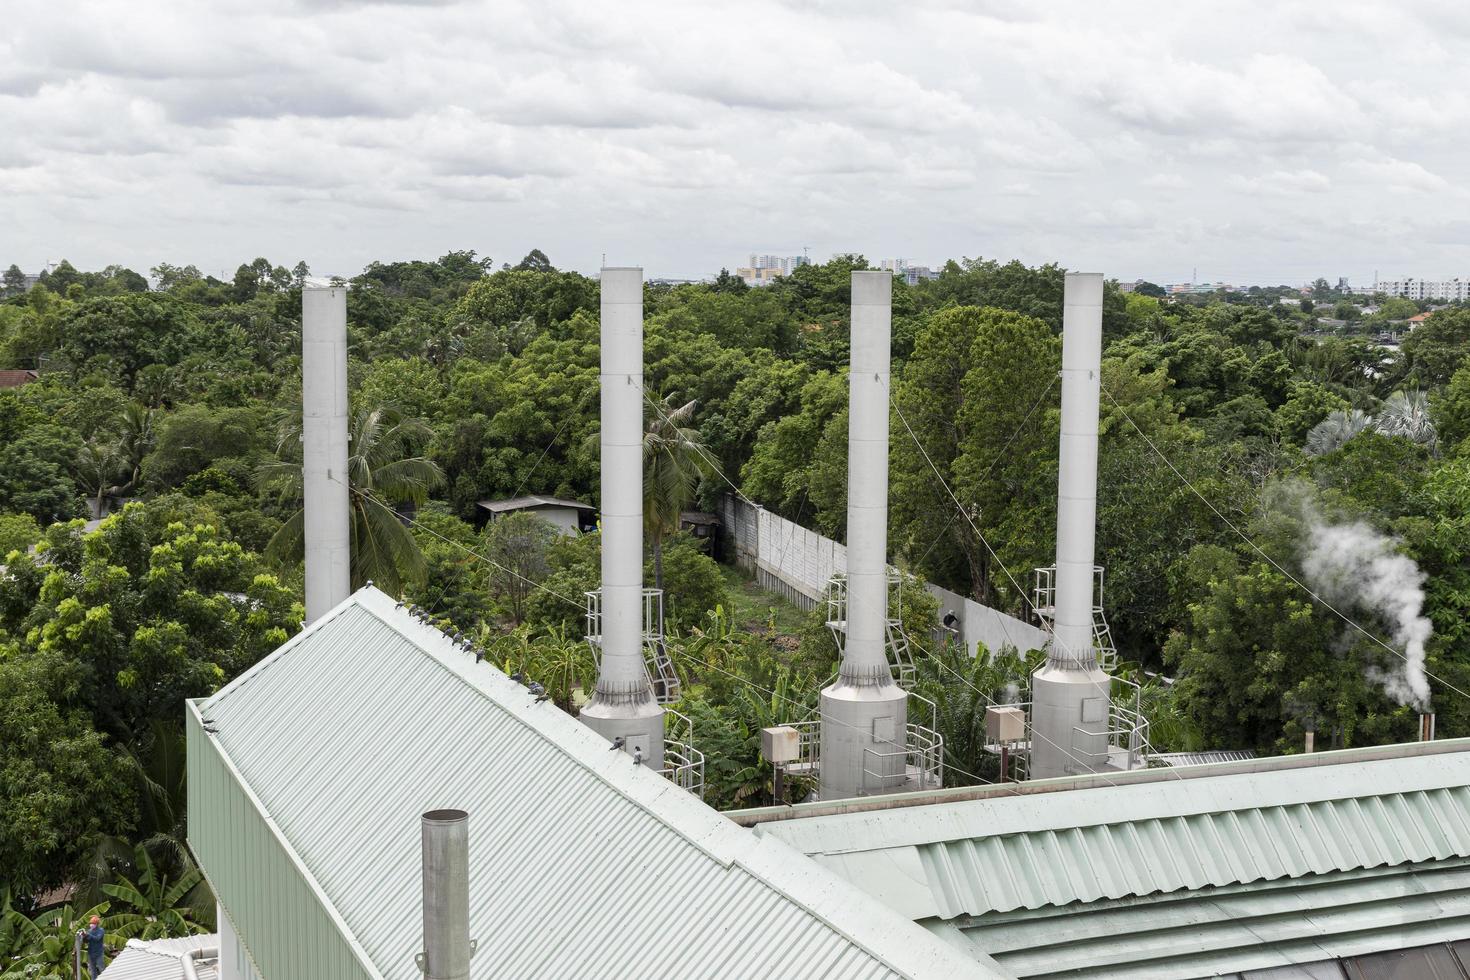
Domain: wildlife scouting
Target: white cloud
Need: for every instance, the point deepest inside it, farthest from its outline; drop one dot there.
(683, 135)
(1283, 182)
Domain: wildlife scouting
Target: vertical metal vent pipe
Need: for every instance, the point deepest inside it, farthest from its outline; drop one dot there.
(865, 712)
(324, 449)
(446, 851)
(1070, 696)
(623, 704)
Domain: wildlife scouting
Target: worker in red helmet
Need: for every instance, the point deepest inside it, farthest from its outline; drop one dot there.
(94, 935)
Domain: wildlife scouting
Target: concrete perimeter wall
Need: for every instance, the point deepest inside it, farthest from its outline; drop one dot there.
(797, 563)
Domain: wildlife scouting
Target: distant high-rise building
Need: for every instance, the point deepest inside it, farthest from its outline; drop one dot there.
(1452, 290)
(1197, 288)
(763, 268)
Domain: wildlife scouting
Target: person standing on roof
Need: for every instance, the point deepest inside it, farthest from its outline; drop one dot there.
(94, 934)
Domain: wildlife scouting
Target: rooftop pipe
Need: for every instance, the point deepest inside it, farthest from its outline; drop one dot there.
(446, 862)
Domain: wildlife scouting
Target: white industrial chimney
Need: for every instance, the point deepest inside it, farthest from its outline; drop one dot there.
(865, 712)
(623, 706)
(324, 448)
(1070, 694)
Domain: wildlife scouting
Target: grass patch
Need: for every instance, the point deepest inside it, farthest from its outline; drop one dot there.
(753, 608)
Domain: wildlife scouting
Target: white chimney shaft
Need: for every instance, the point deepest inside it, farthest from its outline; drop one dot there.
(1077, 471)
(865, 713)
(623, 704)
(622, 479)
(1070, 693)
(324, 449)
(867, 474)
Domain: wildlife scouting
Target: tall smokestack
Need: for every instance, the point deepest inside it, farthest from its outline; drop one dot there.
(1070, 696)
(324, 448)
(446, 855)
(623, 704)
(865, 713)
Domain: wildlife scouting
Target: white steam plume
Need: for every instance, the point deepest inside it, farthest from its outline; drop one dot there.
(1356, 564)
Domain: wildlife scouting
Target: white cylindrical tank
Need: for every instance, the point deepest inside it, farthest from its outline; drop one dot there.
(865, 713)
(1069, 695)
(324, 474)
(623, 704)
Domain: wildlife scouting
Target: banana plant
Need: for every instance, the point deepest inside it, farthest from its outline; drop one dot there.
(51, 937)
(152, 902)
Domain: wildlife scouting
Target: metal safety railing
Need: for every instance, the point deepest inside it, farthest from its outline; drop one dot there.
(900, 657)
(1126, 736)
(1125, 739)
(1044, 601)
(657, 664)
(923, 760)
(683, 763)
(922, 754)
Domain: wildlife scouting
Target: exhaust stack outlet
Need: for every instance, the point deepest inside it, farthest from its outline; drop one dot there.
(1070, 693)
(324, 449)
(865, 713)
(446, 850)
(623, 705)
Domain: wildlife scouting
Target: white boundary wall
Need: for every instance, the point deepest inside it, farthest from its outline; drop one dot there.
(797, 563)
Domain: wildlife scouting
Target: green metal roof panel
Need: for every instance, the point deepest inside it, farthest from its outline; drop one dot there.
(1228, 930)
(1058, 867)
(1028, 851)
(582, 863)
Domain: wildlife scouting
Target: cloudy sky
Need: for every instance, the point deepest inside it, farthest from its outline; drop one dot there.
(1255, 141)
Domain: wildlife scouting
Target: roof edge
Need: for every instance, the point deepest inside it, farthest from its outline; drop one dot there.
(192, 706)
(1061, 784)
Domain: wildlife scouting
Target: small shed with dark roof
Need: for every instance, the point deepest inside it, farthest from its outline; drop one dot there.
(569, 516)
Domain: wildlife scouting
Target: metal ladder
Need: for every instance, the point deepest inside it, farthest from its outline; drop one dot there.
(897, 647)
(657, 664)
(661, 673)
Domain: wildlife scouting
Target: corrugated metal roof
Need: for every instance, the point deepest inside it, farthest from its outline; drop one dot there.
(1202, 758)
(534, 500)
(582, 863)
(160, 959)
(1230, 930)
(1143, 857)
(988, 855)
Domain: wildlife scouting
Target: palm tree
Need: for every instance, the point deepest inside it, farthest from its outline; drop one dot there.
(962, 687)
(154, 903)
(135, 443)
(97, 463)
(380, 472)
(158, 769)
(1406, 413)
(674, 461)
(1335, 430)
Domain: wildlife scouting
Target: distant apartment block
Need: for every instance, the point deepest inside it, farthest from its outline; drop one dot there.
(30, 281)
(1196, 288)
(763, 269)
(911, 274)
(758, 276)
(1452, 290)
